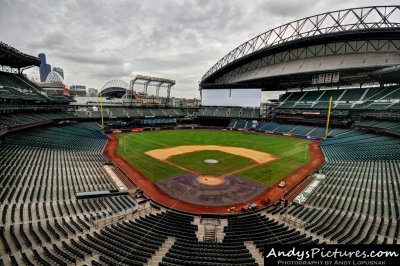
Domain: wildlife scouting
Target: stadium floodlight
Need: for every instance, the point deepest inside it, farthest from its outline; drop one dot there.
(156, 79)
(152, 81)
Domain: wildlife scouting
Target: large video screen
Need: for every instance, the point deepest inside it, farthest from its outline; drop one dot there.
(231, 97)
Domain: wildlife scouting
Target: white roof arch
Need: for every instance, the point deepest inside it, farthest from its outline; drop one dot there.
(115, 83)
(54, 77)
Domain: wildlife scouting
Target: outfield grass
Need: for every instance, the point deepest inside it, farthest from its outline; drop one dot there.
(293, 152)
(226, 162)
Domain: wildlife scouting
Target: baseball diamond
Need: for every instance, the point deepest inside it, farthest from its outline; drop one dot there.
(276, 156)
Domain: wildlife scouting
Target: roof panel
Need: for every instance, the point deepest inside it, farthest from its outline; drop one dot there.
(9, 56)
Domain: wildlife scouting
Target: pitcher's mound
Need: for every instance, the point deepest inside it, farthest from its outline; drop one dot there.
(210, 180)
(233, 191)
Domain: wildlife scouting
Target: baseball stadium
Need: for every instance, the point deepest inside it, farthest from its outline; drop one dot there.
(129, 178)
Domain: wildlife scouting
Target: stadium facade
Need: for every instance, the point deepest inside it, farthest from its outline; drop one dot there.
(362, 44)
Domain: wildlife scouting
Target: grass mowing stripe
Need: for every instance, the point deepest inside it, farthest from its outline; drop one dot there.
(226, 162)
(293, 152)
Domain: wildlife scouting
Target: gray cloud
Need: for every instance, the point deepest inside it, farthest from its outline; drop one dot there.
(94, 58)
(95, 41)
(290, 8)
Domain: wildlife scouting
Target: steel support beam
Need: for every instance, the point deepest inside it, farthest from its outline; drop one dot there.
(158, 89)
(168, 95)
(145, 85)
(365, 19)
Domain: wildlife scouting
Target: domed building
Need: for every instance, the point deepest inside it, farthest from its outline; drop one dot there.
(115, 88)
(54, 84)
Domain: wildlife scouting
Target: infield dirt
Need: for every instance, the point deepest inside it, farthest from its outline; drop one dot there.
(257, 156)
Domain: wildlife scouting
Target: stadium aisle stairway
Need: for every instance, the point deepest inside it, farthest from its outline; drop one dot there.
(287, 128)
(365, 98)
(134, 242)
(358, 201)
(40, 172)
(261, 231)
(380, 124)
(12, 120)
(43, 223)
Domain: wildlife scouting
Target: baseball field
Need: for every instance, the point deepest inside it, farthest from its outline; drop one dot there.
(261, 158)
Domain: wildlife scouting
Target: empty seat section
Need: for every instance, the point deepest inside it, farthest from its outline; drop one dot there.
(311, 96)
(359, 187)
(284, 128)
(352, 95)
(302, 130)
(117, 113)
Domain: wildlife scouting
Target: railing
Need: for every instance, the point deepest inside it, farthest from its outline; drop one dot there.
(22, 106)
(364, 18)
(114, 218)
(292, 220)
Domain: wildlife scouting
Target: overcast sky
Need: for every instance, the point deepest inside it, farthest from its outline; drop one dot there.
(96, 41)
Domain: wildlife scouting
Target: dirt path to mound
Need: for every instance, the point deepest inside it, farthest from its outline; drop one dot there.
(274, 193)
(257, 156)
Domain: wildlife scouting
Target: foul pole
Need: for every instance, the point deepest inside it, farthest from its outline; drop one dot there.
(101, 111)
(328, 117)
